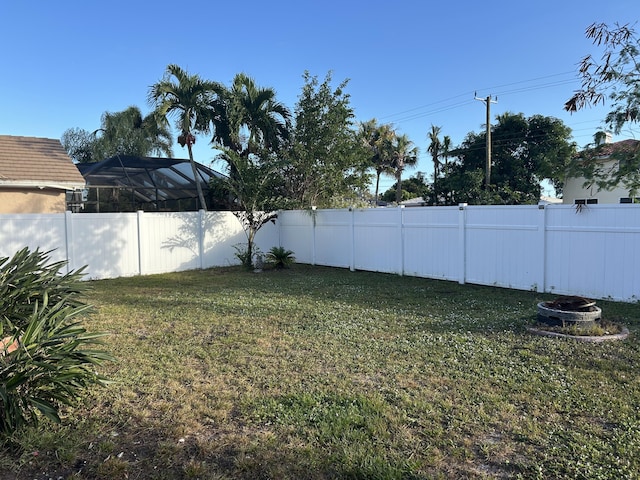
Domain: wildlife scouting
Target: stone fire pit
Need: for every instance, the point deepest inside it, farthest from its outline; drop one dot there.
(569, 311)
(578, 318)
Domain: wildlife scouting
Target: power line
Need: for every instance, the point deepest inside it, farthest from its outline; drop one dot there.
(407, 115)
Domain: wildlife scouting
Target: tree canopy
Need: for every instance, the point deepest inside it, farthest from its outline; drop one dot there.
(412, 187)
(525, 151)
(255, 119)
(327, 165)
(616, 77)
(120, 133)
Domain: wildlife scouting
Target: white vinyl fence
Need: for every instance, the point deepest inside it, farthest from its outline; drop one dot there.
(124, 244)
(594, 252)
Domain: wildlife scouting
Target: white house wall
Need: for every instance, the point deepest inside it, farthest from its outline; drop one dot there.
(574, 189)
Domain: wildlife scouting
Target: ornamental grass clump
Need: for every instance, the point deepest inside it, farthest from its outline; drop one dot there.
(46, 356)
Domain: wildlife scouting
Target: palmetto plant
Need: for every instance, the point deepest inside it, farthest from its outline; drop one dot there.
(46, 356)
(280, 257)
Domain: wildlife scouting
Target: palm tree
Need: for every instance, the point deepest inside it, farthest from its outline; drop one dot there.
(403, 154)
(255, 119)
(193, 101)
(129, 133)
(446, 152)
(378, 139)
(446, 149)
(120, 133)
(434, 149)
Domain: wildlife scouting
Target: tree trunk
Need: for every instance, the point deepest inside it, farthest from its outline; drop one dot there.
(399, 187)
(377, 186)
(196, 178)
(436, 173)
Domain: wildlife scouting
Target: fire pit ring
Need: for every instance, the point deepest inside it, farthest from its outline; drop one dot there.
(569, 311)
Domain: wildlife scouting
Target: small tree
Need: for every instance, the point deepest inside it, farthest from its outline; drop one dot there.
(257, 188)
(328, 164)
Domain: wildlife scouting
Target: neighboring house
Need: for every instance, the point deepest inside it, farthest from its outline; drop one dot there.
(574, 191)
(35, 175)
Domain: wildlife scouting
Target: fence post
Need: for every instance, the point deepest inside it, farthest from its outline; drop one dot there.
(313, 234)
(279, 227)
(462, 247)
(352, 265)
(401, 232)
(542, 252)
(68, 233)
(139, 232)
(201, 233)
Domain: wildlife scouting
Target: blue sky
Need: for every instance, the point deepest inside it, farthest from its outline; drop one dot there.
(412, 63)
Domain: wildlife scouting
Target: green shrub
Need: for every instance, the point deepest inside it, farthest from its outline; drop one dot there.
(279, 257)
(246, 258)
(46, 356)
(27, 279)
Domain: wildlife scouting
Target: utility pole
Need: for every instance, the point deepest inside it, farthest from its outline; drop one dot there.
(487, 101)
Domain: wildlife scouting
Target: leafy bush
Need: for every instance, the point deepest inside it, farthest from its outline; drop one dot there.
(27, 279)
(46, 355)
(279, 257)
(242, 254)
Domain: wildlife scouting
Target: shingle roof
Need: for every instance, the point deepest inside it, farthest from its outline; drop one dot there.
(36, 162)
(623, 146)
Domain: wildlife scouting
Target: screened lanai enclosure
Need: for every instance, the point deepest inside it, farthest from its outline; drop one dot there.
(127, 184)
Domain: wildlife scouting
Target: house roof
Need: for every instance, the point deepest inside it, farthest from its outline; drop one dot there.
(623, 146)
(33, 162)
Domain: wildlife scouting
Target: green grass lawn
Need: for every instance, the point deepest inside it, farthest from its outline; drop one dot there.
(319, 373)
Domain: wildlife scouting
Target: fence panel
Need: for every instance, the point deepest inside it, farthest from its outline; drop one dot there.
(44, 231)
(502, 246)
(106, 242)
(377, 240)
(430, 242)
(169, 242)
(594, 252)
(333, 238)
(296, 234)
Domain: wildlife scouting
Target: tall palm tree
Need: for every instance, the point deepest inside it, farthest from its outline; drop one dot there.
(378, 139)
(435, 149)
(193, 101)
(256, 120)
(403, 154)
